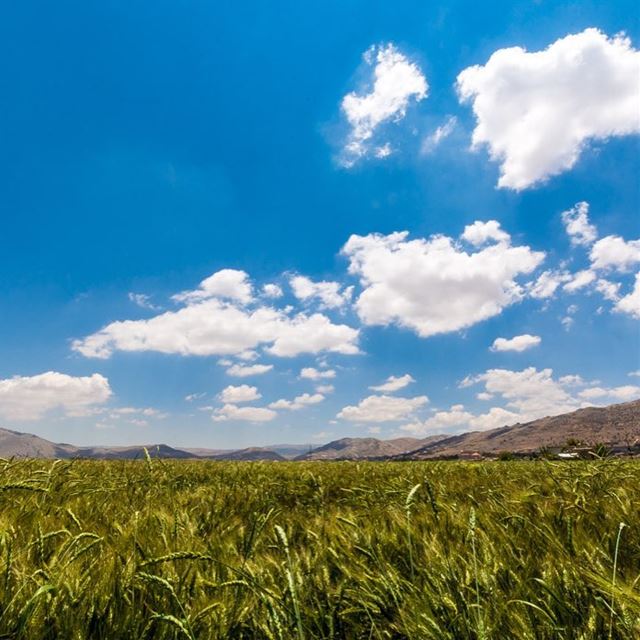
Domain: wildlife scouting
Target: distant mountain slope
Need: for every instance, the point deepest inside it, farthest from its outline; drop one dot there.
(287, 451)
(617, 425)
(366, 448)
(26, 445)
(251, 453)
(130, 453)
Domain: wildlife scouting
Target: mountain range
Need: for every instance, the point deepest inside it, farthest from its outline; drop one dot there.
(617, 426)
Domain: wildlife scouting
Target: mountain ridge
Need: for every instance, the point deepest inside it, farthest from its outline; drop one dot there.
(617, 426)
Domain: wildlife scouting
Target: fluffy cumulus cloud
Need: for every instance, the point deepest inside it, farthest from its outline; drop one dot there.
(215, 320)
(623, 393)
(227, 283)
(299, 402)
(383, 409)
(528, 393)
(245, 371)
(536, 111)
(610, 260)
(480, 233)
(576, 222)
(271, 290)
(237, 394)
(630, 304)
(579, 280)
(32, 397)
(547, 284)
(457, 418)
(393, 383)
(395, 83)
(243, 414)
(328, 293)
(311, 373)
(614, 253)
(525, 395)
(433, 285)
(325, 388)
(517, 343)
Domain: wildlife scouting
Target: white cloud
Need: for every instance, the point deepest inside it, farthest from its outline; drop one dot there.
(310, 373)
(393, 383)
(248, 356)
(142, 300)
(213, 327)
(630, 304)
(624, 393)
(579, 229)
(458, 419)
(227, 283)
(32, 397)
(149, 412)
(313, 334)
(247, 414)
(384, 151)
(517, 343)
(609, 290)
(299, 402)
(580, 280)
(432, 141)
(480, 233)
(327, 292)
(272, 290)
(614, 253)
(244, 371)
(431, 285)
(325, 388)
(537, 111)
(546, 284)
(567, 322)
(241, 393)
(383, 409)
(396, 81)
(528, 393)
(135, 415)
(194, 396)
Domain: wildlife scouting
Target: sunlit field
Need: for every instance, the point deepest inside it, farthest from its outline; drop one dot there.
(158, 549)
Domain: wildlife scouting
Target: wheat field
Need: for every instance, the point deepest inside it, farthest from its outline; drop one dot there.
(442, 550)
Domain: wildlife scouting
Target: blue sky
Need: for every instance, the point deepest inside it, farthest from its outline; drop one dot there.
(145, 149)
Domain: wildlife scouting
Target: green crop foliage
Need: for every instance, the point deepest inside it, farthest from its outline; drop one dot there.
(291, 551)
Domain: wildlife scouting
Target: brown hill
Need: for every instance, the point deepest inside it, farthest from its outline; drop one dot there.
(287, 451)
(251, 453)
(617, 425)
(129, 453)
(26, 445)
(366, 448)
